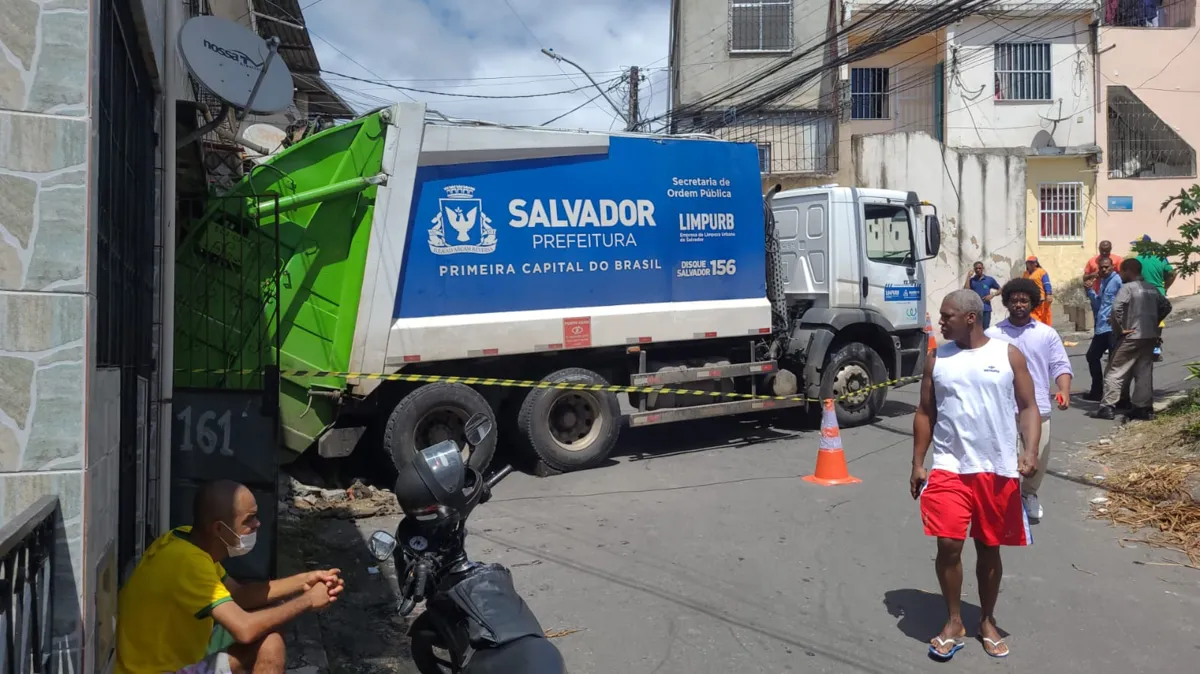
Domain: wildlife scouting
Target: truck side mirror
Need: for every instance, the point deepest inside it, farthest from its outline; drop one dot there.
(933, 236)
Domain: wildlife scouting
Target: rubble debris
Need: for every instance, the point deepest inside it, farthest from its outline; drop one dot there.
(360, 500)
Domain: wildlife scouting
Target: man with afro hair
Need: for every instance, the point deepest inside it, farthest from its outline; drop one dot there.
(1046, 357)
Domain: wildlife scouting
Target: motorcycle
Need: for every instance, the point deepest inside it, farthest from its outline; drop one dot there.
(472, 610)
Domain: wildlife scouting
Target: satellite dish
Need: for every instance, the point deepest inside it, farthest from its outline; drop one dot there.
(263, 136)
(238, 66)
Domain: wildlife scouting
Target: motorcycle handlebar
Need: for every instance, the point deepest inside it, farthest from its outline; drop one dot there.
(422, 576)
(500, 475)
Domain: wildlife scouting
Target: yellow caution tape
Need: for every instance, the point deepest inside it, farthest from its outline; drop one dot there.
(532, 384)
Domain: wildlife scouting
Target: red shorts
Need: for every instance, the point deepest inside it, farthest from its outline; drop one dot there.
(990, 504)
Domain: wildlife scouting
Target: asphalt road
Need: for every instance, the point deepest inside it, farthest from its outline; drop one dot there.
(709, 554)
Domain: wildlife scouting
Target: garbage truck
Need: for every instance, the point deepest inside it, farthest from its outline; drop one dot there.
(424, 269)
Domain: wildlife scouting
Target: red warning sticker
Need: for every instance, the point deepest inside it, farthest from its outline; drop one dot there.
(577, 333)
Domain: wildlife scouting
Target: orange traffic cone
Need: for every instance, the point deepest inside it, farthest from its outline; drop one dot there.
(932, 344)
(831, 461)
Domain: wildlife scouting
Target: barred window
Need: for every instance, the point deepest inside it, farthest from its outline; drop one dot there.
(869, 93)
(1140, 143)
(760, 26)
(764, 157)
(1022, 71)
(1060, 212)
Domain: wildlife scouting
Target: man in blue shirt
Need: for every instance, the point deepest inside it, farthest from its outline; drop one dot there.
(1104, 340)
(987, 288)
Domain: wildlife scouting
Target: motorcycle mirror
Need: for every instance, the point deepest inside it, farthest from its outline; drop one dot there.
(381, 545)
(477, 429)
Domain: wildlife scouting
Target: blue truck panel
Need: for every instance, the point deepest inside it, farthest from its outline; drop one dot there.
(653, 220)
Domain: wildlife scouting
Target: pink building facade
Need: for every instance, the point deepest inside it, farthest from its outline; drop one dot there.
(1148, 77)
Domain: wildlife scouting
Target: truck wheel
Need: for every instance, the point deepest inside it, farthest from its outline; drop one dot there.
(848, 377)
(431, 414)
(571, 430)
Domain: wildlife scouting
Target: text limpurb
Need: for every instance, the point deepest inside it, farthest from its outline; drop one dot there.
(694, 222)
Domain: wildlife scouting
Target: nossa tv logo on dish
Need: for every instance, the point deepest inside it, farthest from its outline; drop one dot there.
(236, 55)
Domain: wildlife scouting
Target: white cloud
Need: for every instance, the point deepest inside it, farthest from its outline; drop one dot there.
(453, 45)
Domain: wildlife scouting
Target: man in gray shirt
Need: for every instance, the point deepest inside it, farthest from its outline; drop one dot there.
(1137, 311)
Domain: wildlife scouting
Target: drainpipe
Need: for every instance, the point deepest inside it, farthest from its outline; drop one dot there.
(172, 88)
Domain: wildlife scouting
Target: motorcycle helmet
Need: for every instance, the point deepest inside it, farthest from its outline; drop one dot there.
(433, 477)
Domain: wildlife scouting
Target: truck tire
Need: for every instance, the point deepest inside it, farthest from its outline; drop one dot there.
(854, 367)
(571, 430)
(433, 413)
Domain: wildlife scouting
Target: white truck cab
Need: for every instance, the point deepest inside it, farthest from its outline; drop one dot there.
(851, 264)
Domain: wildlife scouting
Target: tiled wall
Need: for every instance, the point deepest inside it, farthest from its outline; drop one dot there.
(45, 306)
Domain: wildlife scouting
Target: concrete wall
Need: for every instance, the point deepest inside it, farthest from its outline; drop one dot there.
(1063, 260)
(46, 301)
(1160, 66)
(974, 118)
(980, 199)
(703, 61)
(59, 416)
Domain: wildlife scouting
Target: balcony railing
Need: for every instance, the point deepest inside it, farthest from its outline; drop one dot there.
(1143, 14)
(26, 569)
(790, 141)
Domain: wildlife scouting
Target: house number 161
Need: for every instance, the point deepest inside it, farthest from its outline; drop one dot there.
(205, 437)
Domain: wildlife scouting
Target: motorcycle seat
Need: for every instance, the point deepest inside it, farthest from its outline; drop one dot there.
(528, 655)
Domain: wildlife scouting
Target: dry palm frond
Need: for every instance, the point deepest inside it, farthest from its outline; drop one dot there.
(1149, 470)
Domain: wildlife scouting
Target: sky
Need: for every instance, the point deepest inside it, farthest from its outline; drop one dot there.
(493, 48)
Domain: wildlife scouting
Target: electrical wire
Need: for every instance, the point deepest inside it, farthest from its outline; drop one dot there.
(890, 33)
(457, 95)
(300, 21)
(576, 108)
(800, 51)
(889, 36)
(979, 57)
(543, 45)
(499, 80)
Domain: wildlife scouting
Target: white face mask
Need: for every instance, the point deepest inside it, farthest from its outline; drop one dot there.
(245, 542)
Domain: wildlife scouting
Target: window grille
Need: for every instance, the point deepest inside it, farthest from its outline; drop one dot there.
(1140, 143)
(1060, 212)
(1022, 71)
(870, 93)
(760, 26)
(764, 157)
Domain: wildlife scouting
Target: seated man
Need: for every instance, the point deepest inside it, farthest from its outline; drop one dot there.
(167, 609)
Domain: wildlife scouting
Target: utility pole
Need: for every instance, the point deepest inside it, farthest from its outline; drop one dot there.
(632, 117)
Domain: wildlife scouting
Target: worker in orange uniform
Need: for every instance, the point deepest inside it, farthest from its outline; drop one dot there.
(1035, 273)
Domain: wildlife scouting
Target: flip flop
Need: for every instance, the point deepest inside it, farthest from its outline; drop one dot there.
(995, 646)
(959, 643)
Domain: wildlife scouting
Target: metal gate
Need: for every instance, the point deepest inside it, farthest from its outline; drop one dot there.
(225, 425)
(125, 197)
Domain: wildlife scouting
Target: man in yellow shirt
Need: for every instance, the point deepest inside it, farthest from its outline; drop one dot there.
(179, 590)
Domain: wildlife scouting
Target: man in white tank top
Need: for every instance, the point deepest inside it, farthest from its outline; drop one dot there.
(968, 391)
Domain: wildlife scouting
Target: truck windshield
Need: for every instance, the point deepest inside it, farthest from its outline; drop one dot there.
(889, 233)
